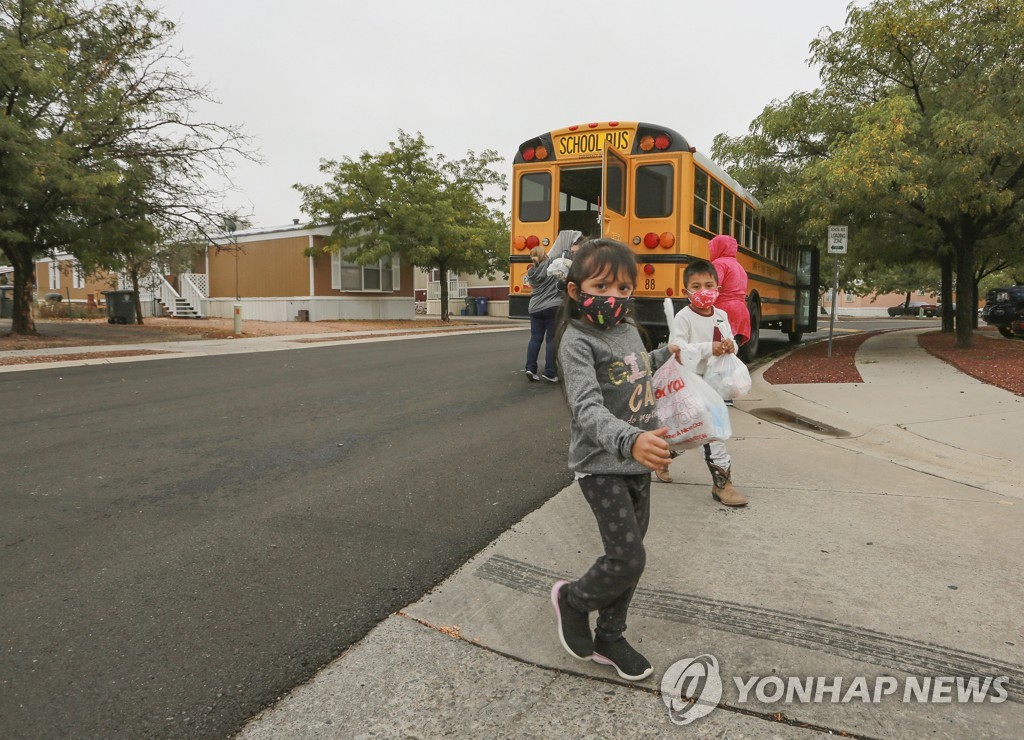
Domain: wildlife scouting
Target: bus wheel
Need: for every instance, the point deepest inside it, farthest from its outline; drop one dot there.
(749, 350)
(795, 336)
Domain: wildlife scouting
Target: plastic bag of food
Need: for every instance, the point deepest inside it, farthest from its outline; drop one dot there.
(559, 268)
(691, 409)
(728, 375)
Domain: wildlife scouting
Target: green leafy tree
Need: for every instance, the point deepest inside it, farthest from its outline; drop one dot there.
(98, 123)
(434, 212)
(914, 134)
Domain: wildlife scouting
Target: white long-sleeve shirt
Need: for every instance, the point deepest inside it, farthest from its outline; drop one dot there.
(695, 333)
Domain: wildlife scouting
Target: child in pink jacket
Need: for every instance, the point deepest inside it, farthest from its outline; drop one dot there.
(732, 285)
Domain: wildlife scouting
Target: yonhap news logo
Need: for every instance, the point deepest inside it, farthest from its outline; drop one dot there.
(692, 687)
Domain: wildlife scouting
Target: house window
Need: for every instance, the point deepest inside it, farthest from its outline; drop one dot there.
(55, 275)
(77, 276)
(849, 296)
(378, 277)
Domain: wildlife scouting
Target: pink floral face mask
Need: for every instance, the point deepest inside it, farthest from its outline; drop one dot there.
(703, 299)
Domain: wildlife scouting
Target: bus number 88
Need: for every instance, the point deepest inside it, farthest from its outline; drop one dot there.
(650, 284)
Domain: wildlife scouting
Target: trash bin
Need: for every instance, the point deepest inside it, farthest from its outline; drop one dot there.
(120, 306)
(6, 301)
(470, 306)
(481, 306)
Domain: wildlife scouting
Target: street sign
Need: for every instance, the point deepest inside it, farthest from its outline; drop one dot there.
(837, 239)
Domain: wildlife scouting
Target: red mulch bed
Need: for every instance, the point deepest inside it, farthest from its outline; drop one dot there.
(994, 360)
(812, 364)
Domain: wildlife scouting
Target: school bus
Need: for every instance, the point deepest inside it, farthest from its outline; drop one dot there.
(644, 185)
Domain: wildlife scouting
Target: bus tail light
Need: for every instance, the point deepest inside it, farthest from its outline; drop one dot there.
(651, 240)
(532, 241)
(516, 289)
(667, 240)
(646, 143)
(519, 243)
(529, 153)
(648, 269)
(540, 152)
(662, 142)
(669, 292)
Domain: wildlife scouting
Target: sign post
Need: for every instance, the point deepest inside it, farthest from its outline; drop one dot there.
(838, 237)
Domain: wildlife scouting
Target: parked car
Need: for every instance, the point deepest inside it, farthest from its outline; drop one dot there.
(1004, 309)
(916, 308)
(933, 311)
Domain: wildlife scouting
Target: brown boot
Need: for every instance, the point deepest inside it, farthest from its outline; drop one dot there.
(722, 489)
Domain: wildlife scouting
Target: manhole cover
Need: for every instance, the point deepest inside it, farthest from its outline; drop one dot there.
(784, 416)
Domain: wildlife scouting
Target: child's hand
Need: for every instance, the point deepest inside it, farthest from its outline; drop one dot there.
(651, 451)
(725, 347)
(676, 350)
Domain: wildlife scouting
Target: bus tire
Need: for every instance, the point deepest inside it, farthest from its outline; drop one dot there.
(795, 336)
(748, 351)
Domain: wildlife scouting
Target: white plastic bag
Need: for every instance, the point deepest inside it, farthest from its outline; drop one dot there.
(691, 409)
(728, 375)
(559, 268)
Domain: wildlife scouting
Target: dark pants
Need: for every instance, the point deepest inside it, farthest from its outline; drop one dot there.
(542, 324)
(622, 507)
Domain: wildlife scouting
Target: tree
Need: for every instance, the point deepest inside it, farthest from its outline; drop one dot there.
(433, 212)
(916, 131)
(98, 124)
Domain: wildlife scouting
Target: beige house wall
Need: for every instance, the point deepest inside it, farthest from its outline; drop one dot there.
(267, 268)
(94, 284)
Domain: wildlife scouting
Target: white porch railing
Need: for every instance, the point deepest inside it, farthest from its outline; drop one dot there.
(168, 295)
(456, 289)
(194, 289)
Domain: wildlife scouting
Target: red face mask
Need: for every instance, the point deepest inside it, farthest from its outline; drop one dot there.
(703, 299)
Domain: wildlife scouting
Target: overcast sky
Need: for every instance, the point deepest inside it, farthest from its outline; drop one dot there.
(309, 79)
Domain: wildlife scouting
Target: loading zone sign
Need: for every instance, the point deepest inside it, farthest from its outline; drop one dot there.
(837, 239)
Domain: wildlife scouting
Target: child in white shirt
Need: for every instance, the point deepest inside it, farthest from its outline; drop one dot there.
(703, 331)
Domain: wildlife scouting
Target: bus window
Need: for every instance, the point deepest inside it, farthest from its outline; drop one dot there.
(614, 179)
(654, 191)
(700, 198)
(535, 196)
(727, 202)
(716, 208)
(748, 223)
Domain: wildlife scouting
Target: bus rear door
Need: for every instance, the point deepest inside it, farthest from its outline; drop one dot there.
(806, 291)
(614, 209)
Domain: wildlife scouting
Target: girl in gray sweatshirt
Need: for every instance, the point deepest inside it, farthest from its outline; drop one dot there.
(614, 444)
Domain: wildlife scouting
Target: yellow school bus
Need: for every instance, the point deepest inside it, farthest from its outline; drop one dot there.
(644, 185)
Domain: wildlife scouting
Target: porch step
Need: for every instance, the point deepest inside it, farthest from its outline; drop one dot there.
(181, 309)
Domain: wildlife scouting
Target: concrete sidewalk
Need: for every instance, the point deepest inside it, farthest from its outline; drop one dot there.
(893, 550)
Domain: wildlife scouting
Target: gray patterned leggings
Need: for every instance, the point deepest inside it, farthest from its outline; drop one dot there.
(622, 507)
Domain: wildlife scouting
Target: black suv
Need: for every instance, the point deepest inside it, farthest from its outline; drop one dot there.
(1004, 309)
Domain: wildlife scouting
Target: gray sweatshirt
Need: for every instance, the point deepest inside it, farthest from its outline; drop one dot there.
(607, 375)
(544, 287)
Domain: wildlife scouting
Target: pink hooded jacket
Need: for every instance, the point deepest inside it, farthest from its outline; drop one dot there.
(732, 284)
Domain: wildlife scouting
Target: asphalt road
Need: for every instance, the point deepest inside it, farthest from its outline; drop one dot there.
(183, 541)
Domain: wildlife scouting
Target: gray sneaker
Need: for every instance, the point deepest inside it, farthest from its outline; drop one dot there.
(550, 378)
(532, 375)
